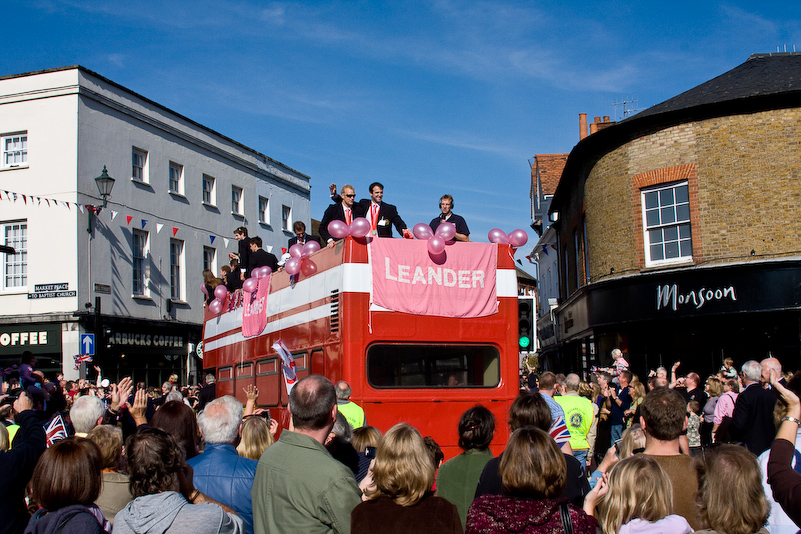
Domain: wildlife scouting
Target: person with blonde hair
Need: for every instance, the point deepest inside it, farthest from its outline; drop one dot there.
(255, 437)
(365, 436)
(730, 497)
(533, 475)
(114, 494)
(637, 498)
(402, 501)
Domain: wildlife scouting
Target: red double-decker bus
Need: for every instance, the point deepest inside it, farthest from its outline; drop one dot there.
(422, 369)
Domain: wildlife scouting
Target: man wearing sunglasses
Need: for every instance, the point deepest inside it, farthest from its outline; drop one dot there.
(345, 210)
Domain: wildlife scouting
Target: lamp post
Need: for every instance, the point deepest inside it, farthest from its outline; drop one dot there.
(105, 184)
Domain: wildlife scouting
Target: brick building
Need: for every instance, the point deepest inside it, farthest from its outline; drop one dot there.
(679, 229)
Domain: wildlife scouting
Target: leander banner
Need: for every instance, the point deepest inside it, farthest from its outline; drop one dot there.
(459, 283)
(254, 310)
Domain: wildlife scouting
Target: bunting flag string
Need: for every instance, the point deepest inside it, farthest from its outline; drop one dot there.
(37, 201)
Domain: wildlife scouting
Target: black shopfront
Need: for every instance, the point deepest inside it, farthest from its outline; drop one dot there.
(698, 316)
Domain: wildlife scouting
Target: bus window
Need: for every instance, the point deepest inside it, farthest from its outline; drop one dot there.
(433, 366)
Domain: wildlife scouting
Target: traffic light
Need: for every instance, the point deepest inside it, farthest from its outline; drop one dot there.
(525, 322)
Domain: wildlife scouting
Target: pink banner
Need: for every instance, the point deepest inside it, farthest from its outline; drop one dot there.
(254, 310)
(407, 279)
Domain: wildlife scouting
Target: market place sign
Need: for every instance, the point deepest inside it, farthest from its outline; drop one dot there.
(50, 291)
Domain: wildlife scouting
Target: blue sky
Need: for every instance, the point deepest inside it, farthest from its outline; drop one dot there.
(426, 97)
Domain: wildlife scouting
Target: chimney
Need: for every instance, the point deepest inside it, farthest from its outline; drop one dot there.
(606, 118)
(582, 126)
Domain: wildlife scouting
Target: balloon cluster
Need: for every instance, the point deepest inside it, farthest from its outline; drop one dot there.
(516, 238)
(250, 285)
(360, 227)
(436, 241)
(299, 260)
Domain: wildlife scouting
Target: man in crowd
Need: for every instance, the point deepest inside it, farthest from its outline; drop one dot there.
(618, 401)
(382, 216)
(752, 421)
(344, 210)
(220, 472)
(86, 413)
(299, 487)
(243, 251)
(664, 419)
(259, 258)
(579, 417)
(352, 411)
(208, 392)
(301, 237)
(446, 205)
(547, 390)
(694, 391)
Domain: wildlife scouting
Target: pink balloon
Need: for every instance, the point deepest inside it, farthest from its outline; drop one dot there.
(220, 292)
(310, 248)
(496, 235)
(215, 306)
(360, 227)
(308, 267)
(296, 250)
(436, 245)
(422, 231)
(292, 266)
(446, 231)
(338, 229)
(518, 238)
(203, 288)
(262, 272)
(250, 285)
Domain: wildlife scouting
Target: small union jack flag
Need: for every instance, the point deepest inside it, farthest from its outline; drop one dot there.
(287, 363)
(55, 430)
(80, 358)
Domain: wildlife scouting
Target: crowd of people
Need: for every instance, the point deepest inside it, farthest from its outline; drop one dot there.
(104, 457)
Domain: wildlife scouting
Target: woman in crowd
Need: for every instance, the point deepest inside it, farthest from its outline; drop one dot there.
(402, 501)
(458, 477)
(637, 498)
(632, 442)
(637, 395)
(65, 484)
(114, 494)
(533, 475)
(784, 480)
(724, 410)
(179, 421)
(165, 499)
(256, 437)
(366, 436)
(714, 389)
(730, 496)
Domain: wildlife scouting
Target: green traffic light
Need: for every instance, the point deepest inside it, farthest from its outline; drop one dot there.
(524, 342)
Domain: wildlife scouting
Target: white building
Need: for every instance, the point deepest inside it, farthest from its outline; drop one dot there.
(180, 190)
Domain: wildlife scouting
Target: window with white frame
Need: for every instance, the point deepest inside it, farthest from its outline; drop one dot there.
(15, 266)
(286, 218)
(139, 249)
(176, 269)
(264, 210)
(666, 222)
(208, 190)
(176, 178)
(210, 259)
(236, 200)
(15, 150)
(139, 165)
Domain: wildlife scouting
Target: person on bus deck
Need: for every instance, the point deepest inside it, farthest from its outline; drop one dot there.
(446, 205)
(259, 258)
(344, 210)
(301, 237)
(242, 256)
(352, 411)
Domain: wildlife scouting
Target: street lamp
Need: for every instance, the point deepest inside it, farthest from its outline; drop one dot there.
(105, 184)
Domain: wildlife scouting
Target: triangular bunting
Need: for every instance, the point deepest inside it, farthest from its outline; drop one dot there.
(174, 231)
(212, 239)
(80, 207)
(144, 223)
(159, 226)
(128, 218)
(25, 199)
(114, 215)
(225, 242)
(269, 249)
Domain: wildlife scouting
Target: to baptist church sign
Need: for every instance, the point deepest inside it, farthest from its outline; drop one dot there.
(670, 296)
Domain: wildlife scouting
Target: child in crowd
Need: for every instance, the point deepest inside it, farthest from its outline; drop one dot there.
(728, 369)
(694, 427)
(636, 497)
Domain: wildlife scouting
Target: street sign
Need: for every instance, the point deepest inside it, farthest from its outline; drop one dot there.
(88, 344)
